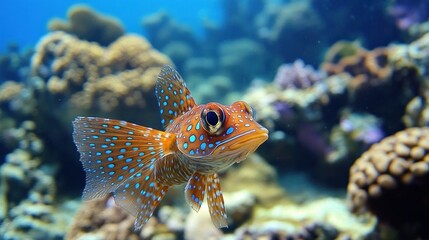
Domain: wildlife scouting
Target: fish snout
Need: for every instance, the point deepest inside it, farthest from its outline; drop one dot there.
(250, 142)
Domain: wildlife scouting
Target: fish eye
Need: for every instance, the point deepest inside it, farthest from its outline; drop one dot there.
(212, 120)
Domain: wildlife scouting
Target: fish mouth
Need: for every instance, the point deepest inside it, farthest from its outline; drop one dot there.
(239, 148)
(246, 143)
(250, 140)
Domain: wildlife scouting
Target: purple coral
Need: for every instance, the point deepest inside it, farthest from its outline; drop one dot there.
(408, 13)
(297, 75)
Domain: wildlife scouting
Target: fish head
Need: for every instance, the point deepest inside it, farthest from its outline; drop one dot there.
(219, 135)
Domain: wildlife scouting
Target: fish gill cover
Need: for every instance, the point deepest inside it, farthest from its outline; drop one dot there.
(340, 85)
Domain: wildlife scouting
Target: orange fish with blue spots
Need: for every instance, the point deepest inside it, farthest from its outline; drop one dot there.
(139, 164)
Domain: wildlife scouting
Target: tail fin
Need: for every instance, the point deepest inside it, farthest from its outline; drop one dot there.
(120, 157)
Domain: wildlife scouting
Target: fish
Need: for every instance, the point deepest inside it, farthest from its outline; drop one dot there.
(139, 164)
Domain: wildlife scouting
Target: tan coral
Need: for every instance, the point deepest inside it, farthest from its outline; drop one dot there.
(416, 112)
(391, 179)
(105, 79)
(366, 67)
(102, 218)
(10, 90)
(89, 25)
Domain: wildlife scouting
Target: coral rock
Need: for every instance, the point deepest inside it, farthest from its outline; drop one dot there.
(89, 25)
(122, 75)
(392, 182)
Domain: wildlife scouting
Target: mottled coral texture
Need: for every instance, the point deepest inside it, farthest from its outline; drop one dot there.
(122, 75)
(391, 180)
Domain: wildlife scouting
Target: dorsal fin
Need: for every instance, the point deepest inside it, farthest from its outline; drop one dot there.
(174, 98)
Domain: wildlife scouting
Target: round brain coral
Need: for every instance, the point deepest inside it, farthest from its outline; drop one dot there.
(391, 180)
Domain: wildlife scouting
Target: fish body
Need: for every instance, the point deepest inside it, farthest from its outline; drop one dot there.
(138, 164)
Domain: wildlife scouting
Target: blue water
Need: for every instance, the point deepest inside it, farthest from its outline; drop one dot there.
(24, 22)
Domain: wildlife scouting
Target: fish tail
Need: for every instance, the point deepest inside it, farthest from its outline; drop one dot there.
(120, 157)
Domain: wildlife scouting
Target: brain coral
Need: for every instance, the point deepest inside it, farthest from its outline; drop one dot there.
(391, 180)
(96, 78)
(89, 25)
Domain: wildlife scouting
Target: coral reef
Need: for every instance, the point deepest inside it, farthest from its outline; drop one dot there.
(89, 25)
(336, 118)
(320, 119)
(297, 75)
(300, 221)
(409, 13)
(75, 77)
(28, 194)
(391, 179)
(256, 206)
(102, 218)
(99, 79)
(417, 112)
(14, 64)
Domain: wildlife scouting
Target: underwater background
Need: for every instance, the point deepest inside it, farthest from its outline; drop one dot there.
(342, 86)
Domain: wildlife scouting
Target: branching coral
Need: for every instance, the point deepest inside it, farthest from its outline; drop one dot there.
(391, 180)
(89, 25)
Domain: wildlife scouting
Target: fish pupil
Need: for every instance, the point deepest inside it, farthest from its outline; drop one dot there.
(212, 118)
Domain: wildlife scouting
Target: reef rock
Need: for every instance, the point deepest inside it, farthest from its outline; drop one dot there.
(89, 25)
(391, 180)
(90, 78)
